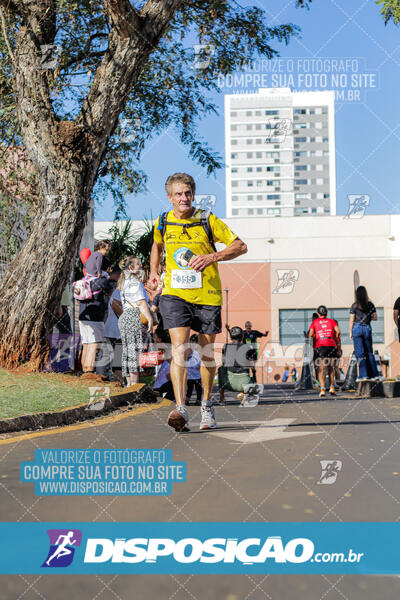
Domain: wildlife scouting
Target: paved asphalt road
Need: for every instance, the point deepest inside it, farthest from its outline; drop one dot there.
(262, 464)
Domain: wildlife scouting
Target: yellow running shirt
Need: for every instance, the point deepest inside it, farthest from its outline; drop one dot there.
(180, 280)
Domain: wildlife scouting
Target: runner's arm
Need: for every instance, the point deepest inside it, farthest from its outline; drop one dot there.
(235, 249)
(338, 339)
(311, 332)
(155, 259)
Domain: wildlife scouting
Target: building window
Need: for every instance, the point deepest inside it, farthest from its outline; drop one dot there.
(277, 203)
(300, 181)
(300, 111)
(293, 323)
(274, 211)
(258, 141)
(249, 113)
(233, 113)
(233, 155)
(258, 154)
(301, 168)
(271, 112)
(259, 211)
(324, 139)
(250, 211)
(258, 113)
(300, 139)
(235, 211)
(313, 210)
(259, 197)
(234, 170)
(249, 155)
(258, 169)
(326, 195)
(312, 139)
(249, 184)
(235, 198)
(302, 196)
(258, 126)
(235, 183)
(249, 127)
(249, 141)
(249, 169)
(250, 198)
(234, 142)
(273, 197)
(301, 153)
(234, 127)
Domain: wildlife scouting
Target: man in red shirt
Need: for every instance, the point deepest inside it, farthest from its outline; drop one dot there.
(327, 346)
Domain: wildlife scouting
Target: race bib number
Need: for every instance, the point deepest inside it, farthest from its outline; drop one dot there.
(186, 279)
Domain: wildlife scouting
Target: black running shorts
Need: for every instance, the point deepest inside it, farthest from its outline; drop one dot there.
(326, 352)
(202, 318)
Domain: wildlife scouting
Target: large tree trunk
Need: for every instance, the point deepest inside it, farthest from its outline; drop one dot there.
(66, 156)
(36, 278)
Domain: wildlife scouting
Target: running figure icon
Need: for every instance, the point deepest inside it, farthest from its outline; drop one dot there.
(62, 549)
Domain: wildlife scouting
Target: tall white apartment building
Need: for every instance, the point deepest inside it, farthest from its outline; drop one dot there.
(280, 153)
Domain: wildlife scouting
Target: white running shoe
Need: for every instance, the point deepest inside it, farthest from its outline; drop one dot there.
(207, 418)
(178, 418)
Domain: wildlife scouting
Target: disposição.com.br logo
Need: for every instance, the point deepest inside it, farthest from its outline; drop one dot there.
(62, 547)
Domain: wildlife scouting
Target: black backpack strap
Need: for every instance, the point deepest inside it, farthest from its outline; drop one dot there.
(205, 223)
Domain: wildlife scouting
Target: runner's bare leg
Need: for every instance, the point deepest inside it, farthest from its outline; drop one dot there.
(208, 367)
(180, 351)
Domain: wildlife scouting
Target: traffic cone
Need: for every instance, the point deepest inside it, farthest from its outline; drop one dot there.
(305, 382)
(378, 363)
(351, 375)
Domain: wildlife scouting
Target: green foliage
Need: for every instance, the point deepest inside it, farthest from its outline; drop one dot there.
(170, 93)
(390, 10)
(125, 242)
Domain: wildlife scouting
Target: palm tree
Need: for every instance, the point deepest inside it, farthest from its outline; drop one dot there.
(125, 242)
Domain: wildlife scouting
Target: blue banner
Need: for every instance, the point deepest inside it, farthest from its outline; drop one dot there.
(363, 548)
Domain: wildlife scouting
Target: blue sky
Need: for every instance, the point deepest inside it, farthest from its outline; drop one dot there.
(367, 131)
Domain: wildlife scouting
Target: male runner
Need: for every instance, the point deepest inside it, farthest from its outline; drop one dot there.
(327, 345)
(191, 295)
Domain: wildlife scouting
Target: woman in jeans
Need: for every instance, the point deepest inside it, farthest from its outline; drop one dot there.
(362, 312)
(129, 323)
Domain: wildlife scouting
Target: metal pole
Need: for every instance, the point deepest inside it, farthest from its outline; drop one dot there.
(226, 313)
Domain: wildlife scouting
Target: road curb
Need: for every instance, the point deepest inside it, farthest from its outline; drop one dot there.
(136, 394)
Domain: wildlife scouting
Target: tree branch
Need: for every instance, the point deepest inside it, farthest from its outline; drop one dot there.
(132, 38)
(12, 6)
(5, 35)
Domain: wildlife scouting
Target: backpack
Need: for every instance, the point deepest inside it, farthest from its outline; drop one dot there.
(83, 290)
(204, 223)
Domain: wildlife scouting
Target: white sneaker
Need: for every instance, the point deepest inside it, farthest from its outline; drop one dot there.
(178, 418)
(207, 418)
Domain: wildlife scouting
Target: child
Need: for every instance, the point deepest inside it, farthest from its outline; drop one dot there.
(193, 373)
(285, 375)
(93, 265)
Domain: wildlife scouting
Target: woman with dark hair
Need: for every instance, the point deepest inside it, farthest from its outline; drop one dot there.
(362, 312)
